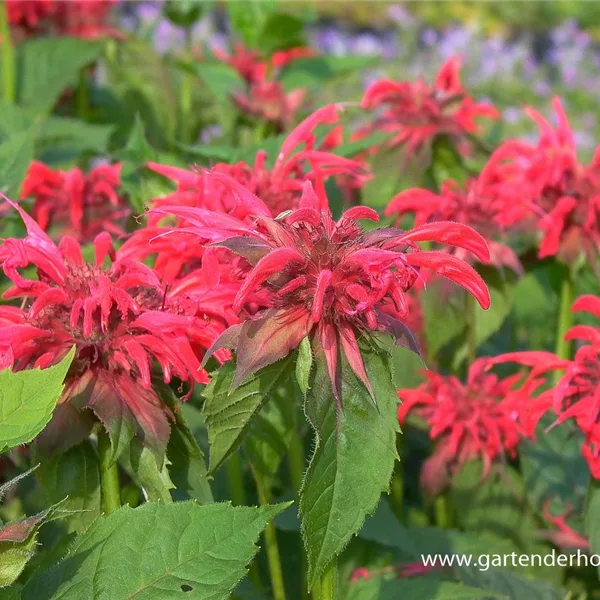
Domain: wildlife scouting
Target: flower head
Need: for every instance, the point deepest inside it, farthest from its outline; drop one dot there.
(486, 203)
(121, 320)
(279, 186)
(415, 112)
(328, 280)
(476, 419)
(561, 194)
(265, 97)
(76, 203)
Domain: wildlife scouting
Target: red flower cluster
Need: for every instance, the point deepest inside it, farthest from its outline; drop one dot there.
(325, 279)
(577, 394)
(78, 18)
(121, 320)
(476, 419)
(486, 203)
(416, 112)
(265, 97)
(561, 195)
(75, 203)
(279, 186)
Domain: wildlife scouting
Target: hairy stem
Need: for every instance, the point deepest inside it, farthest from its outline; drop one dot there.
(272, 548)
(326, 587)
(8, 56)
(565, 319)
(109, 474)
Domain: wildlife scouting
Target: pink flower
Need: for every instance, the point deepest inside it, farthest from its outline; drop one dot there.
(75, 203)
(476, 419)
(561, 194)
(416, 112)
(328, 280)
(565, 536)
(121, 320)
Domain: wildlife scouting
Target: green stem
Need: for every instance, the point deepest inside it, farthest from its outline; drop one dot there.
(471, 308)
(8, 56)
(109, 474)
(275, 570)
(565, 319)
(296, 467)
(83, 97)
(326, 587)
(186, 93)
(235, 479)
(443, 512)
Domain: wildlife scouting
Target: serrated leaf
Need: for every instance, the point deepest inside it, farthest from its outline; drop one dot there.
(49, 65)
(353, 459)
(140, 463)
(27, 399)
(73, 475)
(16, 153)
(156, 552)
(227, 415)
(304, 364)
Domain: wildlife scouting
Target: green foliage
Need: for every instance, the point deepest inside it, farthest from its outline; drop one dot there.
(157, 551)
(592, 517)
(16, 154)
(356, 442)
(27, 399)
(228, 413)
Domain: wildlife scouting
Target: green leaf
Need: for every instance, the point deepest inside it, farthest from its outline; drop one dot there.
(140, 463)
(227, 415)
(281, 31)
(73, 475)
(592, 517)
(221, 79)
(446, 163)
(247, 19)
(351, 149)
(16, 154)
(13, 592)
(187, 469)
(353, 459)
(433, 589)
(304, 365)
(49, 65)
(306, 72)
(553, 467)
(27, 399)
(156, 552)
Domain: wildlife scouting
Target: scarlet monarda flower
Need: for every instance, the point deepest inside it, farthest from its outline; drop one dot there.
(561, 195)
(76, 203)
(328, 280)
(415, 112)
(121, 320)
(471, 420)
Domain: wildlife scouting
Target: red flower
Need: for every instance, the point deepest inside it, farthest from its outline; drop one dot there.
(416, 112)
(577, 394)
(28, 15)
(486, 203)
(562, 195)
(280, 186)
(264, 97)
(476, 419)
(121, 321)
(84, 18)
(74, 203)
(326, 279)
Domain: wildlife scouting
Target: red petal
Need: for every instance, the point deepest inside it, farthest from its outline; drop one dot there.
(353, 355)
(587, 303)
(456, 270)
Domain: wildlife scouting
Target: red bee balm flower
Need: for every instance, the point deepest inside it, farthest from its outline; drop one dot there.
(417, 112)
(562, 195)
(74, 203)
(330, 280)
(471, 420)
(577, 394)
(120, 319)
